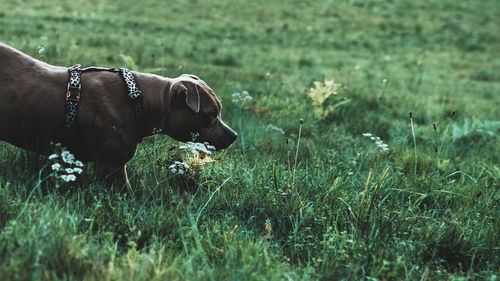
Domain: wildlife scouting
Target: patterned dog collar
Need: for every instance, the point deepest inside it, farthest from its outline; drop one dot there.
(73, 95)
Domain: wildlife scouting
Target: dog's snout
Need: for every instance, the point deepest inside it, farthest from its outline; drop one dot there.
(226, 136)
(230, 134)
(233, 135)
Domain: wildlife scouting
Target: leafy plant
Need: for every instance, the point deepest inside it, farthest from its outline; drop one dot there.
(320, 95)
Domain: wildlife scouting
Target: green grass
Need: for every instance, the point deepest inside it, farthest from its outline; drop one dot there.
(346, 210)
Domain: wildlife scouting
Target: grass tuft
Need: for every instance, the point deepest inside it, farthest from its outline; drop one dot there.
(328, 202)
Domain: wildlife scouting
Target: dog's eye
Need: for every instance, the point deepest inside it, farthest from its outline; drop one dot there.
(213, 114)
(212, 117)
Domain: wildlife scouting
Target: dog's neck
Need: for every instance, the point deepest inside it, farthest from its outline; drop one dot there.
(154, 102)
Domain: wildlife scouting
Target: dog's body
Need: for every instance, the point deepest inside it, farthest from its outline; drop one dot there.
(32, 111)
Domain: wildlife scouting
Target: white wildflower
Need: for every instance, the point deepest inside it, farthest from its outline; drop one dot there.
(56, 167)
(69, 170)
(173, 168)
(40, 50)
(77, 170)
(53, 156)
(241, 99)
(78, 163)
(68, 178)
(208, 146)
(67, 157)
(380, 143)
(197, 147)
(178, 167)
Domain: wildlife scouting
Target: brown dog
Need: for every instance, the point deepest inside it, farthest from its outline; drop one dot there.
(32, 112)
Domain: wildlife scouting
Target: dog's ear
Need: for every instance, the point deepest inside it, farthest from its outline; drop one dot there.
(190, 90)
(193, 97)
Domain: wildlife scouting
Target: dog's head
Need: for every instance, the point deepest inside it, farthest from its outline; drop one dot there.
(196, 111)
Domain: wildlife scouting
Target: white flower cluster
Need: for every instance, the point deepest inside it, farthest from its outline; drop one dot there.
(198, 147)
(156, 131)
(68, 168)
(241, 99)
(178, 167)
(378, 141)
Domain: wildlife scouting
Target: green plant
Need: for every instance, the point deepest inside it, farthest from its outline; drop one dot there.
(325, 98)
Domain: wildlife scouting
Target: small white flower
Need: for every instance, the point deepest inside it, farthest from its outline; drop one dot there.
(379, 142)
(78, 163)
(156, 131)
(77, 170)
(67, 157)
(196, 147)
(240, 99)
(56, 167)
(69, 170)
(208, 146)
(40, 50)
(178, 167)
(68, 178)
(53, 156)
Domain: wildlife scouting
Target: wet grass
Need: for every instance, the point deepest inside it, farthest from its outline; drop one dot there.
(426, 209)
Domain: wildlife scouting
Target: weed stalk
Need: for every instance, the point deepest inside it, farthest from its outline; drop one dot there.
(241, 135)
(414, 140)
(38, 184)
(436, 141)
(446, 132)
(297, 151)
(155, 147)
(364, 193)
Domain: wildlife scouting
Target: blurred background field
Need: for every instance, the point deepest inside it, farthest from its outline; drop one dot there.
(347, 206)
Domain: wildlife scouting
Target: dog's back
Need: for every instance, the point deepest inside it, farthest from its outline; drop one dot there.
(28, 90)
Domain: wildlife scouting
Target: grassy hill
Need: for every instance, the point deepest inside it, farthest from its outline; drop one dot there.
(287, 201)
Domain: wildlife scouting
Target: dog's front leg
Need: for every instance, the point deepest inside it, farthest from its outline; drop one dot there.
(114, 175)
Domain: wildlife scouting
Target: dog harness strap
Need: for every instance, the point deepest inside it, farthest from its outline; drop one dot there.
(73, 95)
(134, 93)
(97, 68)
(75, 87)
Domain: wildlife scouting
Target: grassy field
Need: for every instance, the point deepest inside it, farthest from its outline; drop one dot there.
(327, 203)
